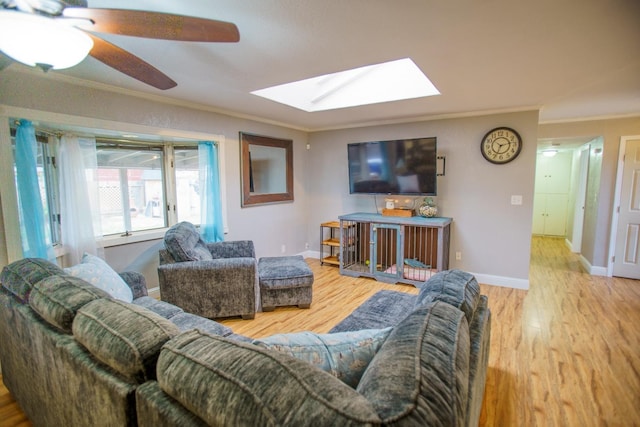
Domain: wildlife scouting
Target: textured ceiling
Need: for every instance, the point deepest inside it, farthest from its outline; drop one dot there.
(572, 59)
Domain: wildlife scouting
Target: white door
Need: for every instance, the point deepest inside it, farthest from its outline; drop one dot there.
(627, 252)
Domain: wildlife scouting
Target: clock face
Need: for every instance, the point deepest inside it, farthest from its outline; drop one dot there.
(501, 145)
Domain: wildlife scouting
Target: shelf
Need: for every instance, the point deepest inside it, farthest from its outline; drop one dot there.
(331, 260)
(331, 224)
(334, 241)
(330, 241)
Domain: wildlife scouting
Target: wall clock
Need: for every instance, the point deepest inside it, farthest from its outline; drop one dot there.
(501, 145)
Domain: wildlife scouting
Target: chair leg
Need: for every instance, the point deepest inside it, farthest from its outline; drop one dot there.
(304, 305)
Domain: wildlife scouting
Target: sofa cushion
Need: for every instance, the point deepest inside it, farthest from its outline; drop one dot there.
(97, 272)
(20, 276)
(455, 287)
(344, 355)
(57, 299)
(188, 321)
(381, 310)
(185, 244)
(124, 336)
(162, 308)
(420, 375)
(226, 382)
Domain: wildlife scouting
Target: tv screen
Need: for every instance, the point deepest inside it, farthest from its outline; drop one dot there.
(404, 166)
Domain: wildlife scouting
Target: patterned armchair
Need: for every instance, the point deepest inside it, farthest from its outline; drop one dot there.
(208, 279)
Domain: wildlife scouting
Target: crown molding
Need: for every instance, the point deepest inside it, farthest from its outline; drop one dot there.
(168, 100)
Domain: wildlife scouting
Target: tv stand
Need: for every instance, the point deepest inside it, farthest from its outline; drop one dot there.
(393, 249)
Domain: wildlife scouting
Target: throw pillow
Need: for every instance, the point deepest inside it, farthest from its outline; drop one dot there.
(344, 355)
(98, 273)
(184, 243)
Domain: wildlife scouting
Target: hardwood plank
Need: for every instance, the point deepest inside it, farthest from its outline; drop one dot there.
(564, 352)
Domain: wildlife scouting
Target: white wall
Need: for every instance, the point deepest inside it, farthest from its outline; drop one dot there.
(493, 236)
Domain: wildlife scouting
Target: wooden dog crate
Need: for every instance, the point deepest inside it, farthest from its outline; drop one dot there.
(393, 249)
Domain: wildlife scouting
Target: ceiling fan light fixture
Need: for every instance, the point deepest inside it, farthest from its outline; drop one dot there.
(41, 41)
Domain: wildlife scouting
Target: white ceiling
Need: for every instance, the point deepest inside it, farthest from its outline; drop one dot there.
(573, 59)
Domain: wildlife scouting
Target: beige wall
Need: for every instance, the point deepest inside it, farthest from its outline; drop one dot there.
(270, 226)
(493, 236)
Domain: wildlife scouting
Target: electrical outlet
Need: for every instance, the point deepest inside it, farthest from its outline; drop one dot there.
(458, 256)
(306, 246)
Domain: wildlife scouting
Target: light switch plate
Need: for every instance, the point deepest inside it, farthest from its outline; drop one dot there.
(516, 200)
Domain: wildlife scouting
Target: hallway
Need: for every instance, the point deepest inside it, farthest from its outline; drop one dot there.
(567, 351)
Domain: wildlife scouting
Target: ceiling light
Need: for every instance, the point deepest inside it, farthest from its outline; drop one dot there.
(40, 41)
(549, 153)
(388, 81)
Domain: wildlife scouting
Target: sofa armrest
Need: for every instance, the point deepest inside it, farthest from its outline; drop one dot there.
(136, 282)
(232, 249)
(211, 288)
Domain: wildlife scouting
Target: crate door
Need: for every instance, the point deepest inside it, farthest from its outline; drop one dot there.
(385, 241)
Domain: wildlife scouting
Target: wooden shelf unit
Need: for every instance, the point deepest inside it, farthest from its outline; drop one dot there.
(332, 241)
(374, 245)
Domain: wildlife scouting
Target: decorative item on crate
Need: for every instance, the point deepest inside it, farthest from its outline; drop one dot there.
(428, 208)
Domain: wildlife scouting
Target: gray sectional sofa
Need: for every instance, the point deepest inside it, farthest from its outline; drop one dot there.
(73, 355)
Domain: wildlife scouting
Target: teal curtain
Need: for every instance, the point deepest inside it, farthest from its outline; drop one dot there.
(211, 227)
(32, 219)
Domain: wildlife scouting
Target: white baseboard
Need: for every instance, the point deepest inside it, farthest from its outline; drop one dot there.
(505, 282)
(569, 245)
(594, 271)
(310, 254)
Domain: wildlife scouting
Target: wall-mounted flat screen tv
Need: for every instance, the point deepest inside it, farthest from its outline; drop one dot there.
(403, 166)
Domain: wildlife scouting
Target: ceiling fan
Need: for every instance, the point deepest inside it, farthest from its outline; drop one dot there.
(73, 17)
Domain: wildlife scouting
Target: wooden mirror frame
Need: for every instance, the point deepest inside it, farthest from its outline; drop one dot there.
(249, 199)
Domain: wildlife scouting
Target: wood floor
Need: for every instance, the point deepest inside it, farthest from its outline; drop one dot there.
(564, 353)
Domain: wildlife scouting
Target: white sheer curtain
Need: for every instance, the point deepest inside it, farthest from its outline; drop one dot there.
(79, 203)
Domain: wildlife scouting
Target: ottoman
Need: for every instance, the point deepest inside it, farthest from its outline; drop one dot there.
(284, 280)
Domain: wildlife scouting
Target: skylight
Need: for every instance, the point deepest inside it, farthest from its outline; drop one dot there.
(372, 84)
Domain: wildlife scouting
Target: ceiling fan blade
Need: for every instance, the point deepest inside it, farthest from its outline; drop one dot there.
(129, 64)
(5, 61)
(156, 25)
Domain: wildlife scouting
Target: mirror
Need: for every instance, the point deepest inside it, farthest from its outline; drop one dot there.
(267, 169)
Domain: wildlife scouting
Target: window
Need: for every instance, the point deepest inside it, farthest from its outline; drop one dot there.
(187, 183)
(48, 183)
(141, 185)
(131, 187)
